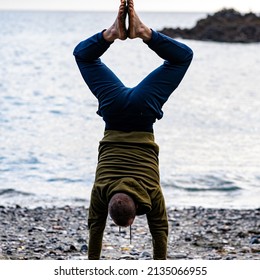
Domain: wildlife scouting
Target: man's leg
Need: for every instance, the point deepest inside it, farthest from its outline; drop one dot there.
(156, 88)
(137, 29)
(103, 83)
(118, 28)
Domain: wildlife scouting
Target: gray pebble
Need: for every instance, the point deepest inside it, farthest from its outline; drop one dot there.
(178, 256)
(127, 257)
(255, 248)
(255, 240)
(84, 248)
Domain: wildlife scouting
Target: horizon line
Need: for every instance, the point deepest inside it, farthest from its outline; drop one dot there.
(110, 11)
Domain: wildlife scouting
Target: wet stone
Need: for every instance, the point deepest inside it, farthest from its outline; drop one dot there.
(255, 248)
(81, 240)
(135, 252)
(178, 256)
(127, 257)
(255, 240)
(84, 248)
(245, 250)
(145, 255)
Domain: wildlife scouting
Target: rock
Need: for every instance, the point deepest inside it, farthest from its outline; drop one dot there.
(52, 253)
(255, 248)
(81, 240)
(254, 231)
(242, 234)
(38, 250)
(255, 240)
(72, 248)
(188, 239)
(84, 248)
(36, 228)
(175, 224)
(145, 255)
(230, 257)
(227, 25)
(178, 256)
(245, 249)
(58, 228)
(127, 257)
(60, 248)
(134, 252)
(214, 257)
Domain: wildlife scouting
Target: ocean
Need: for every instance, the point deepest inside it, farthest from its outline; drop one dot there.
(209, 137)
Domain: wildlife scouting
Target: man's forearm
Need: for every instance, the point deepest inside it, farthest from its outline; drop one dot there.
(95, 244)
(160, 246)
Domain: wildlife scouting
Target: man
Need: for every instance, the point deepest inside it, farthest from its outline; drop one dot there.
(127, 179)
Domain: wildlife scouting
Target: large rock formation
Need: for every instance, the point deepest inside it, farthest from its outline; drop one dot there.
(226, 25)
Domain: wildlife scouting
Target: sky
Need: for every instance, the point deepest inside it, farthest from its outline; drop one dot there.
(141, 5)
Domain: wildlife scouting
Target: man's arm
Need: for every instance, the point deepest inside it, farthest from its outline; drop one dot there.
(158, 225)
(96, 222)
(96, 230)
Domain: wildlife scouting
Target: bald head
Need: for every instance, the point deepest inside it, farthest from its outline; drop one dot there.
(122, 209)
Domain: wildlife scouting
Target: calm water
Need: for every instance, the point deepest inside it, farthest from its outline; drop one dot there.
(209, 137)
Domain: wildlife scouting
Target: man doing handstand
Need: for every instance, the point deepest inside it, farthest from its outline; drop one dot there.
(127, 179)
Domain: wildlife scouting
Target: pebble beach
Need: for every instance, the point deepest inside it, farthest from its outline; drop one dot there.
(61, 233)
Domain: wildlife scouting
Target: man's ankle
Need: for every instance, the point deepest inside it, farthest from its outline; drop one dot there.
(146, 34)
(109, 35)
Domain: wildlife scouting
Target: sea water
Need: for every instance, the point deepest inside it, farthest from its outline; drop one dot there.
(209, 137)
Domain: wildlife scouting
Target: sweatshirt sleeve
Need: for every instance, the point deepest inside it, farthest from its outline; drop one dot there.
(96, 222)
(158, 225)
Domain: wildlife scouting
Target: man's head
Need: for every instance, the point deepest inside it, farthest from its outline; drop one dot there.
(122, 209)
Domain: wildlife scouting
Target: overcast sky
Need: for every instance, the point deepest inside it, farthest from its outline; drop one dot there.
(141, 5)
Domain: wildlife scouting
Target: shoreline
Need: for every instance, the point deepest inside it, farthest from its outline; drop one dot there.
(61, 233)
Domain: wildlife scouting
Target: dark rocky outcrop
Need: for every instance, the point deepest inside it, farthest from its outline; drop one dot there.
(227, 25)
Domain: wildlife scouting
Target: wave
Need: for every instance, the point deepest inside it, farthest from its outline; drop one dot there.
(207, 183)
(64, 180)
(13, 197)
(12, 192)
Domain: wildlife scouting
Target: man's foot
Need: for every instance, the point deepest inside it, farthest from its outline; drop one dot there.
(136, 27)
(118, 29)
